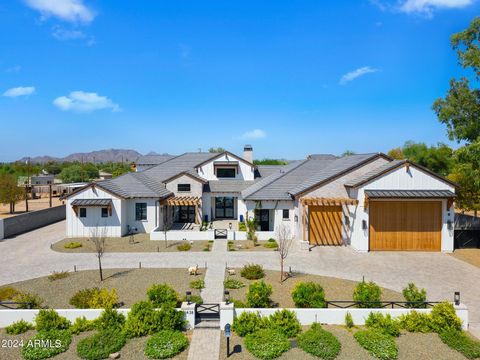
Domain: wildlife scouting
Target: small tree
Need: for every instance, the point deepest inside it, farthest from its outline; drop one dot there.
(167, 224)
(10, 192)
(251, 229)
(284, 240)
(98, 237)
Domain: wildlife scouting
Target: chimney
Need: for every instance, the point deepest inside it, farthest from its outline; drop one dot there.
(248, 153)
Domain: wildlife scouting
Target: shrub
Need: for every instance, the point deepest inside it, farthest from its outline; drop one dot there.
(56, 275)
(35, 349)
(162, 294)
(232, 283)
(72, 245)
(238, 303)
(101, 345)
(109, 318)
(242, 226)
(50, 320)
(267, 344)
(184, 247)
(252, 272)
(414, 296)
(284, 321)
(271, 244)
(81, 324)
(18, 327)
(378, 344)
(443, 317)
(197, 284)
(8, 293)
(165, 344)
(197, 299)
(368, 294)
(94, 298)
(415, 322)
(28, 300)
(308, 295)
(461, 342)
(258, 295)
(81, 298)
(349, 320)
(248, 323)
(384, 324)
(320, 343)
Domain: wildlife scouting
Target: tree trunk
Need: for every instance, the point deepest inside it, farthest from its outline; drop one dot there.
(100, 268)
(475, 212)
(281, 271)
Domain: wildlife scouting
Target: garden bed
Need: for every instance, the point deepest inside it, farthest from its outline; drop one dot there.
(247, 245)
(131, 285)
(335, 288)
(141, 243)
(471, 256)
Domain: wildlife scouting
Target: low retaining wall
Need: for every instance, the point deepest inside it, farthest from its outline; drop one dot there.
(23, 223)
(192, 235)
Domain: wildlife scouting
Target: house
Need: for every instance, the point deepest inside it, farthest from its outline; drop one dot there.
(367, 201)
(148, 161)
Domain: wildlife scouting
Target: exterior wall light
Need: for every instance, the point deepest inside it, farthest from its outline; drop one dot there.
(449, 225)
(364, 225)
(188, 297)
(456, 298)
(347, 220)
(227, 296)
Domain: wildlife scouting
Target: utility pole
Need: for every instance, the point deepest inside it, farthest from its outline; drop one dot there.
(50, 192)
(27, 185)
(81, 169)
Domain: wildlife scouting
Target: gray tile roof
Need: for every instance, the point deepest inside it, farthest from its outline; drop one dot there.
(152, 159)
(219, 186)
(374, 173)
(91, 202)
(410, 194)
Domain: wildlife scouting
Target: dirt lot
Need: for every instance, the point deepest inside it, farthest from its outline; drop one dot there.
(247, 245)
(33, 205)
(131, 285)
(335, 289)
(471, 256)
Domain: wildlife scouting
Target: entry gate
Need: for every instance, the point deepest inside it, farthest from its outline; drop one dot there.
(207, 312)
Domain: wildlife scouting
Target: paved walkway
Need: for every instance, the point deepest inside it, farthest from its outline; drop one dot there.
(29, 256)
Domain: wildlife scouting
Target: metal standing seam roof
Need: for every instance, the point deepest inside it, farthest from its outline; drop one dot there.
(91, 202)
(410, 194)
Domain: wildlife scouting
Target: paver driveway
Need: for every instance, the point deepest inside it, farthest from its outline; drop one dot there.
(28, 256)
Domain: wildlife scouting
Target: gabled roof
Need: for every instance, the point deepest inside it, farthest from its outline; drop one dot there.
(189, 173)
(136, 185)
(152, 159)
(217, 155)
(221, 186)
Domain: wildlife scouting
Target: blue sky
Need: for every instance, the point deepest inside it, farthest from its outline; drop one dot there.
(289, 77)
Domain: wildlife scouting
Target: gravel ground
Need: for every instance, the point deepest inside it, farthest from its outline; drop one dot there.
(141, 243)
(335, 289)
(247, 245)
(471, 256)
(131, 284)
(426, 347)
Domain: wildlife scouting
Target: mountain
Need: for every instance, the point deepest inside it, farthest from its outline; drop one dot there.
(115, 155)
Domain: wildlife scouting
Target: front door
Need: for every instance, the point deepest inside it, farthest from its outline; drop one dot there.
(184, 214)
(263, 219)
(224, 207)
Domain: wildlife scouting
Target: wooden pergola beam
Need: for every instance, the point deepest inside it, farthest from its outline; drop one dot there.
(328, 201)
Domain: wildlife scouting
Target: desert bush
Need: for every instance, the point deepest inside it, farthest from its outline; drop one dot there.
(414, 296)
(100, 345)
(8, 293)
(238, 304)
(109, 318)
(48, 319)
(308, 295)
(72, 245)
(18, 327)
(232, 283)
(197, 284)
(384, 324)
(284, 321)
(460, 341)
(35, 349)
(271, 244)
(94, 298)
(162, 294)
(165, 344)
(242, 226)
(56, 275)
(368, 294)
(252, 272)
(184, 247)
(28, 300)
(319, 342)
(378, 344)
(443, 317)
(197, 299)
(349, 320)
(81, 324)
(258, 295)
(267, 344)
(247, 323)
(82, 297)
(416, 322)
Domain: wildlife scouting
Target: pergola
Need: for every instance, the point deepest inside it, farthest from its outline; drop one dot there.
(185, 201)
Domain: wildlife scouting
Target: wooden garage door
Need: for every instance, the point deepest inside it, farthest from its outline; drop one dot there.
(405, 225)
(325, 225)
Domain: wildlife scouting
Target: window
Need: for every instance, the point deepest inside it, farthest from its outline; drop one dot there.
(183, 187)
(140, 211)
(83, 212)
(104, 212)
(226, 172)
(286, 214)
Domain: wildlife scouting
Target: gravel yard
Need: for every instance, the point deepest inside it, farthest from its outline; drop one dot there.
(471, 256)
(247, 245)
(141, 243)
(131, 284)
(335, 289)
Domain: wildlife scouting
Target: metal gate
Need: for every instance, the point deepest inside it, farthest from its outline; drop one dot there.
(207, 312)
(221, 233)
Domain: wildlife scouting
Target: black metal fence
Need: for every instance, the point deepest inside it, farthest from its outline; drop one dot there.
(345, 304)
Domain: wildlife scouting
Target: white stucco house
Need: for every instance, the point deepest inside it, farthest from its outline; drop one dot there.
(366, 201)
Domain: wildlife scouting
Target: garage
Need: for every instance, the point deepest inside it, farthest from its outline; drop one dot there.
(325, 225)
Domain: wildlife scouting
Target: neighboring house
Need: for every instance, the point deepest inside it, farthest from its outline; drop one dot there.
(103, 175)
(367, 201)
(148, 161)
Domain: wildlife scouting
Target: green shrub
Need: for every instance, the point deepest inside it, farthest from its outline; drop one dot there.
(197, 299)
(81, 324)
(308, 295)
(248, 323)
(414, 296)
(238, 304)
(320, 343)
(271, 244)
(349, 320)
(100, 345)
(252, 272)
(165, 344)
(416, 322)
(82, 297)
(109, 318)
(28, 300)
(284, 321)
(460, 341)
(368, 294)
(35, 348)
(162, 294)
(50, 320)
(94, 298)
(56, 275)
(72, 245)
(232, 283)
(378, 344)
(258, 295)
(242, 226)
(267, 344)
(184, 247)
(443, 317)
(8, 293)
(197, 284)
(384, 324)
(18, 327)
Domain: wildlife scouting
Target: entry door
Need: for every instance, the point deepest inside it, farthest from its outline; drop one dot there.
(185, 214)
(325, 225)
(224, 207)
(263, 219)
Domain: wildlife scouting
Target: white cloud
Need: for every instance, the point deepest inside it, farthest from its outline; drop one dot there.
(62, 34)
(352, 75)
(426, 7)
(85, 102)
(254, 134)
(67, 10)
(19, 91)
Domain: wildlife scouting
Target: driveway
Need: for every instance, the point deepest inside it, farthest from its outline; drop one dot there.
(29, 256)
